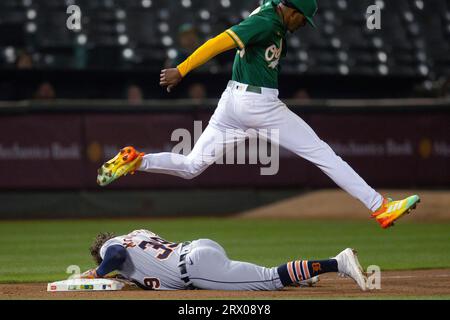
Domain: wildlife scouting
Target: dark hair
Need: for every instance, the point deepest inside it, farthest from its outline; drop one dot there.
(98, 242)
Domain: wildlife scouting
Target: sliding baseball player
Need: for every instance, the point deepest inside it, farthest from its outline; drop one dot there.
(152, 263)
(250, 101)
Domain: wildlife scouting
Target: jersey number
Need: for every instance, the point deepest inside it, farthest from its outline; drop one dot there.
(165, 248)
(152, 283)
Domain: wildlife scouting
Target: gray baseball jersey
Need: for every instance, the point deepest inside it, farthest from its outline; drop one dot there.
(151, 261)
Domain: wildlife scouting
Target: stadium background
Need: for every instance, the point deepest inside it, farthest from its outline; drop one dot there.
(71, 99)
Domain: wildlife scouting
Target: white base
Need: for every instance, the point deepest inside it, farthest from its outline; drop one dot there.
(85, 285)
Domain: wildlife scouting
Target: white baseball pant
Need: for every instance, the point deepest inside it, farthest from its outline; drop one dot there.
(239, 110)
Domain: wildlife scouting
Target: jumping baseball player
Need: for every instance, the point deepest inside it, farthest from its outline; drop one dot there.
(151, 262)
(250, 101)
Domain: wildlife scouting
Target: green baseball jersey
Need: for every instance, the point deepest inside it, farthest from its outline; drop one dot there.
(261, 39)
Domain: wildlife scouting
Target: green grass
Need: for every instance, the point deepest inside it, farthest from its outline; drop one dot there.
(42, 250)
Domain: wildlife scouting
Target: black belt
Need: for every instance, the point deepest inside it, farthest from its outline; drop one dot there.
(182, 265)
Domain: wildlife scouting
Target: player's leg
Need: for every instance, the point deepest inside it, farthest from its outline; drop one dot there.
(266, 111)
(297, 136)
(345, 263)
(221, 134)
(211, 145)
(209, 268)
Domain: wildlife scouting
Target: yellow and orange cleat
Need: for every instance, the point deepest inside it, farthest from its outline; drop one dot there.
(391, 210)
(126, 161)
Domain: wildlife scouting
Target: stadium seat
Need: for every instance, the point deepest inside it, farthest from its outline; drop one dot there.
(414, 38)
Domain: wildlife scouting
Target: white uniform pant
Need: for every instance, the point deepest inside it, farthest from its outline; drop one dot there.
(209, 268)
(237, 112)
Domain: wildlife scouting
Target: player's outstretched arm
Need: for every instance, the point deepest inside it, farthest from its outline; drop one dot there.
(114, 258)
(171, 77)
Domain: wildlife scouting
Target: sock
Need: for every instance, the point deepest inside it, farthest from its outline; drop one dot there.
(300, 270)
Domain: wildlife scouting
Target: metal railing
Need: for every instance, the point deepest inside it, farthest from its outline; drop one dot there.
(187, 105)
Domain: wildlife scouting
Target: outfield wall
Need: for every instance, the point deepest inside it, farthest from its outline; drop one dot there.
(49, 155)
(60, 146)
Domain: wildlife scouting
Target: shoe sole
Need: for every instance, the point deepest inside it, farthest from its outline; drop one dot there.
(356, 266)
(390, 223)
(106, 176)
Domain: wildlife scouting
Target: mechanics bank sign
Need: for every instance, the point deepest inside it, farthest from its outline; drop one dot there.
(52, 151)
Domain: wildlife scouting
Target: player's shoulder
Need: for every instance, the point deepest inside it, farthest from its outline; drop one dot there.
(111, 242)
(264, 14)
(142, 232)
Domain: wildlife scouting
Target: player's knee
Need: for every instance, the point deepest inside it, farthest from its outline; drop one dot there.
(190, 174)
(193, 169)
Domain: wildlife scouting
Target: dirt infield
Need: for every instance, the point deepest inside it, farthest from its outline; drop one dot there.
(337, 204)
(394, 284)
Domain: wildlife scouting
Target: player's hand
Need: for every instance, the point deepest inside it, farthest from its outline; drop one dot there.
(90, 274)
(169, 78)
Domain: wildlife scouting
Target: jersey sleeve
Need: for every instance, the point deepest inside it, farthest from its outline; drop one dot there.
(113, 259)
(107, 244)
(252, 30)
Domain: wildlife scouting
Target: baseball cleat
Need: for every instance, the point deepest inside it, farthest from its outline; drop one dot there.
(391, 210)
(348, 266)
(126, 161)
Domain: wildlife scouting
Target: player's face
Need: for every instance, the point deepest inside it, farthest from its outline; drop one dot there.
(296, 21)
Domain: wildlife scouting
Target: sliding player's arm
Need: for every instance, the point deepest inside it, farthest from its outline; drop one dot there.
(114, 258)
(223, 42)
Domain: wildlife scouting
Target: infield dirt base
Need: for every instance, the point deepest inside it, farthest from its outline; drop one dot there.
(394, 284)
